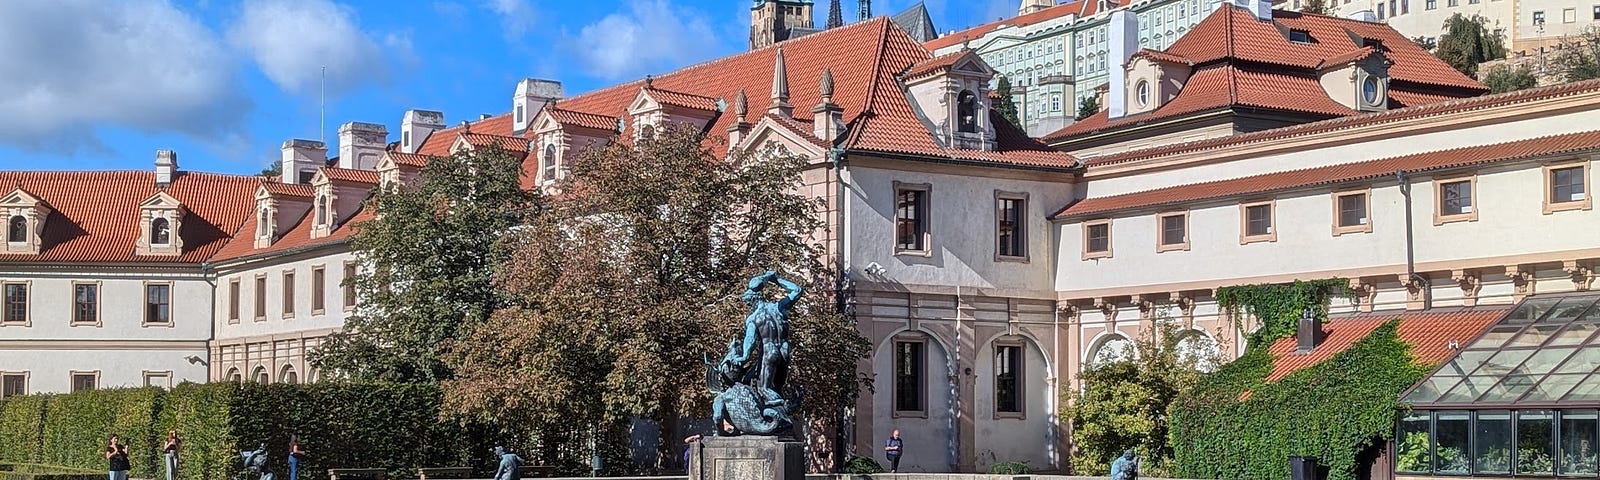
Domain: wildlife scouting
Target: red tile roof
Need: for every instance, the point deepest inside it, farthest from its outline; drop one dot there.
(438, 143)
(350, 175)
(298, 236)
(1426, 106)
(288, 189)
(1421, 162)
(935, 64)
(1163, 56)
(96, 214)
(581, 119)
(1267, 70)
(685, 100)
(409, 159)
(1081, 8)
(511, 144)
(1429, 333)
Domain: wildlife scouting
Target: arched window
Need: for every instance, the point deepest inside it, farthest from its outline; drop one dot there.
(288, 376)
(233, 375)
(322, 210)
(261, 376)
(17, 229)
(967, 112)
(549, 162)
(262, 225)
(160, 232)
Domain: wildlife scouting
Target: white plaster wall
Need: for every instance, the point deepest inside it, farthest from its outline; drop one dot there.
(929, 442)
(1555, 24)
(1510, 222)
(333, 315)
(50, 370)
(1499, 132)
(122, 307)
(962, 225)
(1422, 22)
(1026, 439)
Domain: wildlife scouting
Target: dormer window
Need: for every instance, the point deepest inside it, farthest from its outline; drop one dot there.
(17, 229)
(263, 223)
(1143, 93)
(967, 112)
(160, 232)
(549, 162)
(1300, 36)
(1370, 90)
(322, 210)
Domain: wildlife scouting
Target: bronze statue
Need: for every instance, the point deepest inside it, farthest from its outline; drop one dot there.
(751, 380)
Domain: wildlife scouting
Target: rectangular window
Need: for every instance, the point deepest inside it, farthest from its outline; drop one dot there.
(13, 384)
(1381, 11)
(1010, 229)
(86, 303)
(16, 303)
(1538, 17)
(261, 298)
(1008, 379)
(1097, 239)
(1405, 6)
(911, 220)
(1454, 3)
(1455, 201)
(85, 381)
(1174, 234)
(1597, 12)
(233, 301)
(1569, 15)
(349, 285)
(1566, 185)
(1578, 437)
(1258, 223)
(1431, 4)
(158, 304)
(1351, 214)
(158, 379)
(288, 294)
(909, 367)
(318, 290)
(1492, 444)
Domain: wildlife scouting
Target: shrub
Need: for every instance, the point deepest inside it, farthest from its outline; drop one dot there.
(21, 423)
(859, 465)
(76, 427)
(1009, 468)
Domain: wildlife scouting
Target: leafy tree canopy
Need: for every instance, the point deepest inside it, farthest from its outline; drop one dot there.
(1006, 106)
(1502, 78)
(1579, 57)
(1468, 41)
(1088, 107)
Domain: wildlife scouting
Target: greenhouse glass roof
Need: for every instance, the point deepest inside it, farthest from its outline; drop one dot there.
(1544, 353)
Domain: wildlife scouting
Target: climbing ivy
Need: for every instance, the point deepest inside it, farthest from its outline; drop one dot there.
(1277, 307)
(1236, 424)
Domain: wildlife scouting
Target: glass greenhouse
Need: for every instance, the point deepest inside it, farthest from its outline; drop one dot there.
(1522, 399)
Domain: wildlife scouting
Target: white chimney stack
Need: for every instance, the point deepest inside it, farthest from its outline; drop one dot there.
(1261, 8)
(301, 159)
(416, 126)
(361, 145)
(166, 167)
(1124, 36)
(531, 96)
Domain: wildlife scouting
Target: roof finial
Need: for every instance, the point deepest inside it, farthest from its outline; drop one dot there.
(827, 85)
(780, 86)
(741, 105)
(649, 81)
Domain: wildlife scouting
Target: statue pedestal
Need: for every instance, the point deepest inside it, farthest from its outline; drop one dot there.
(747, 458)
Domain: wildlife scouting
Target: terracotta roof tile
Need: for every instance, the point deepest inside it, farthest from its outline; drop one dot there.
(298, 236)
(566, 116)
(288, 189)
(1417, 106)
(1352, 56)
(96, 214)
(439, 142)
(350, 175)
(409, 159)
(1221, 86)
(935, 64)
(1081, 8)
(511, 144)
(1429, 333)
(1163, 56)
(685, 100)
(1421, 162)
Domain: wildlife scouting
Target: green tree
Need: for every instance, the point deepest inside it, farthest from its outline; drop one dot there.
(1125, 402)
(632, 279)
(1502, 78)
(1006, 106)
(428, 258)
(1579, 57)
(1088, 107)
(1427, 43)
(273, 169)
(1468, 41)
(1319, 7)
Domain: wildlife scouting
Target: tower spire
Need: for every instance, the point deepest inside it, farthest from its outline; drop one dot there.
(780, 87)
(864, 11)
(835, 16)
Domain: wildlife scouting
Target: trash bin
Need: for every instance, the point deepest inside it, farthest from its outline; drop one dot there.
(1303, 468)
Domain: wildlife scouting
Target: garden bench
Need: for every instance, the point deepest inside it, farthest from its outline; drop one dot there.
(357, 473)
(536, 471)
(444, 472)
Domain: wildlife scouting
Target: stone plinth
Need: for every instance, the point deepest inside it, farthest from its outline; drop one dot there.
(747, 458)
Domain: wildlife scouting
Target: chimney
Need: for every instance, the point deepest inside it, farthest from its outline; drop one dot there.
(416, 126)
(1124, 35)
(1365, 16)
(740, 127)
(531, 96)
(166, 167)
(1261, 8)
(827, 121)
(361, 145)
(301, 159)
(1309, 333)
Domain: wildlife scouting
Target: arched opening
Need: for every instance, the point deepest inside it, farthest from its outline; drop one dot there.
(1198, 349)
(549, 162)
(967, 112)
(160, 232)
(17, 229)
(322, 210)
(261, 376)
(1109, 349)
(233, 376)
(287, 375)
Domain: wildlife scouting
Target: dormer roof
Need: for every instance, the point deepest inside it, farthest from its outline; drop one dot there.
(161, 200)
(961, 61)
(573, 118)
(511, 144)
(683, 100)
(346, 175)
(276, 189)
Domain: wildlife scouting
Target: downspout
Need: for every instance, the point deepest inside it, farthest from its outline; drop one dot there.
(1412, 279)
(836, 156)
(211, 321)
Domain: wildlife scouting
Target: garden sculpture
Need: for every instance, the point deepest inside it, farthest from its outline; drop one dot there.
(509, 461)
(750, 383)
(1125, 467)
(256, 462)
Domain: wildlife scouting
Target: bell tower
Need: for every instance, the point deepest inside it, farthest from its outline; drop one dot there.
(773, 21)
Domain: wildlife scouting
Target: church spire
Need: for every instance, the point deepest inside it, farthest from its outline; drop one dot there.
(835, 16)
(780, 88)
(864, 11)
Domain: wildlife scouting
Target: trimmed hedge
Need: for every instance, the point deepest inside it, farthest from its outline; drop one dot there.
(77, 426)
(20, 420)
(45, 472)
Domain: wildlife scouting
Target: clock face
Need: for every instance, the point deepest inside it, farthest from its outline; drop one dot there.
(1369, 90)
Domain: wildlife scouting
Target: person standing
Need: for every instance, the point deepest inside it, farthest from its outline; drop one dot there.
(295, 455)
(169, 449)
(688, 447)
(117, 459)
(892, 449)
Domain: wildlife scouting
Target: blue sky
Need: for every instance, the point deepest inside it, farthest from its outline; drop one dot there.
(102, 85)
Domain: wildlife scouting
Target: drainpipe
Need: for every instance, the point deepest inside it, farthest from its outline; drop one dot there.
(205, 274)
(836, 156)
(1412, 278)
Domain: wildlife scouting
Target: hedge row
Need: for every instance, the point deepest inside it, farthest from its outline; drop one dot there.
(396, 427)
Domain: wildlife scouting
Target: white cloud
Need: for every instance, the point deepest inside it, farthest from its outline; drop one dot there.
(516, 17)
(651, 35)
(69, 66)
(291, 40)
